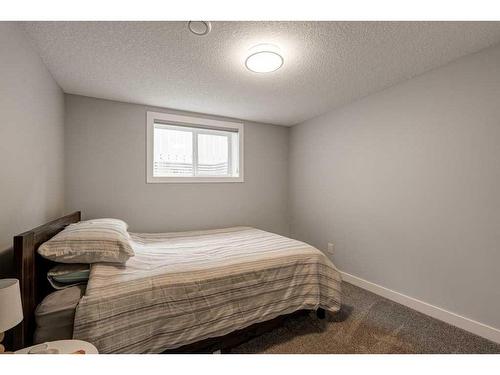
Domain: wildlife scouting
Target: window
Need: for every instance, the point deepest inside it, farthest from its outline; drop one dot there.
(193, 149)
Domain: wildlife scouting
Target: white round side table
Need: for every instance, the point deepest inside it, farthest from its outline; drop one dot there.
(62, 346)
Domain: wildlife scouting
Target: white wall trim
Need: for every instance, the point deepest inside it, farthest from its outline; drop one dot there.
(459, 321)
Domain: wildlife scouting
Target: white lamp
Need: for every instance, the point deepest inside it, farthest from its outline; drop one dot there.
(11, 310)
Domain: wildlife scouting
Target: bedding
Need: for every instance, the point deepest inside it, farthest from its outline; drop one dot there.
(66, 275)
(180, 288)
(55, 315)
(91, 241)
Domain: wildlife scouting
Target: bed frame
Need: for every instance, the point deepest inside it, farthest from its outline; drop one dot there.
(31, 270)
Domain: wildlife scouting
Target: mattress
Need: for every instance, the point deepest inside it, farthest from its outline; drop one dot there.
(180, 288)
(54, 316)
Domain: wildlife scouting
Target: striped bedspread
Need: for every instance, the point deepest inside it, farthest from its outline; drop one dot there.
(180, 288)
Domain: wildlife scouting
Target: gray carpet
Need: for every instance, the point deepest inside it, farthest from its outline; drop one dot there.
(367, 324)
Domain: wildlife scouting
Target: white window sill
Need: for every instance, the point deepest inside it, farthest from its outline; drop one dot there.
(193, 180)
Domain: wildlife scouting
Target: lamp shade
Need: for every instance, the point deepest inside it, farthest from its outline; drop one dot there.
(11, 310)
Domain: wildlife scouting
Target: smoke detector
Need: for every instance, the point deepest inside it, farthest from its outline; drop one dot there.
(199, 28)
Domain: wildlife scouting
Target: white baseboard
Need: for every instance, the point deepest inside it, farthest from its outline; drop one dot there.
(462, 322)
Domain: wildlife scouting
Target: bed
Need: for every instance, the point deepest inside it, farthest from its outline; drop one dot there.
(185, 291)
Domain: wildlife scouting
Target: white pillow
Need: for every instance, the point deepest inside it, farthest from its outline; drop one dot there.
(91, 241)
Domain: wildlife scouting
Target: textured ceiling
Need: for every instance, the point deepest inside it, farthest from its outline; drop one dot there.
(326, 65)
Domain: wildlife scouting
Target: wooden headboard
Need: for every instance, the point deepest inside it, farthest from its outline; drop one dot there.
(31, 270)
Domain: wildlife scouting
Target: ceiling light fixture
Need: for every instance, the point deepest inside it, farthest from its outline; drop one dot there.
(264, 58)
(199, 28)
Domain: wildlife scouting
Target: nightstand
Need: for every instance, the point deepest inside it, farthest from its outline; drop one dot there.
(63, 346)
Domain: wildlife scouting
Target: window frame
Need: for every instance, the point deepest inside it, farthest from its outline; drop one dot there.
(190, 122)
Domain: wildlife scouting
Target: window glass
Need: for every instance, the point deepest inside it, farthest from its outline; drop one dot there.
(173, 153)
(213, 155)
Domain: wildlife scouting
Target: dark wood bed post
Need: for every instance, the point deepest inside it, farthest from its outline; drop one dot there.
(31, 271)
(321, 313)
(25, 272)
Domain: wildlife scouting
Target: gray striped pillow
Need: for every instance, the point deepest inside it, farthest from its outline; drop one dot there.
(91, 241)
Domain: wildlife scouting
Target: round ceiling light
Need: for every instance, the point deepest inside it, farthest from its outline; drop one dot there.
(199, 28)
(264, 58)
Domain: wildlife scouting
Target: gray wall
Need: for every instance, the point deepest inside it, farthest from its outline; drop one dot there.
(106, 175)
(31, 141)
(406, 183)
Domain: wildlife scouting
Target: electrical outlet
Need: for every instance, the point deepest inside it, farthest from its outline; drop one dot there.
(331, 248)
